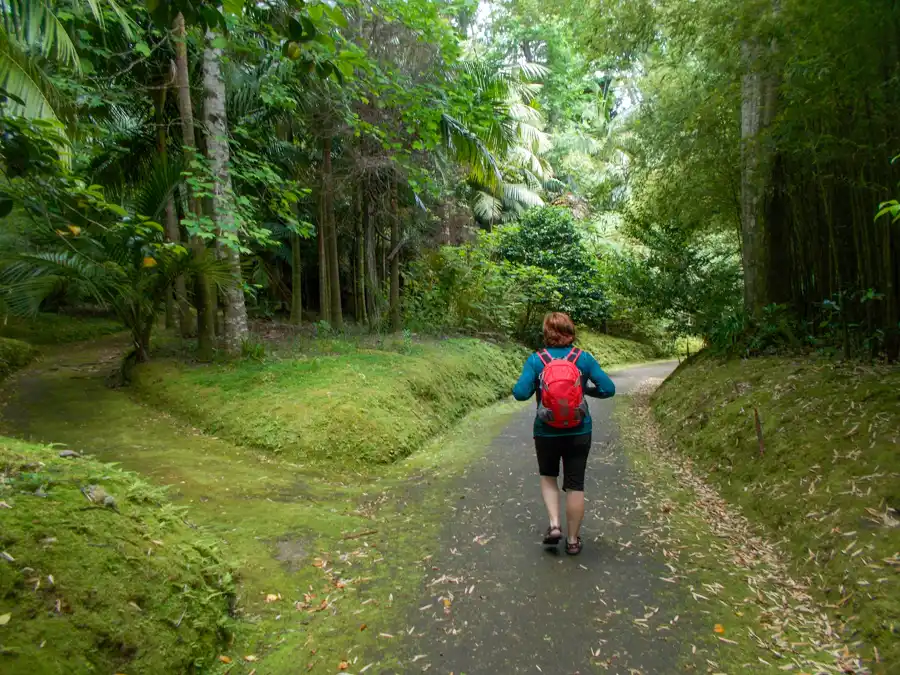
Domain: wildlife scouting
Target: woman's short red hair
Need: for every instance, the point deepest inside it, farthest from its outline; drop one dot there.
(559, 331)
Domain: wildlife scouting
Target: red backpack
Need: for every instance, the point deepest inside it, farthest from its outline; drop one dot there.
(561, 402)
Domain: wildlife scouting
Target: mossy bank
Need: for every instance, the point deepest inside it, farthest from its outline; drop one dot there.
(14, 354)
(358, 406)
(822, 472)
(118, 584)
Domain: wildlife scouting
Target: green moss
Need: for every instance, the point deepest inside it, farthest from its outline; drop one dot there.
(57, 329)
(826, 482)
(14, 354)
(609, 350)
(92, 589)
(360, 408)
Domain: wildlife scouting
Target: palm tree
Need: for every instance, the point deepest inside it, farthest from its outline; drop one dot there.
(504, 156)
(128, 268)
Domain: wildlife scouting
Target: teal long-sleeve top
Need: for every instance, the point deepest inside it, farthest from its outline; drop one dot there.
(591, 371)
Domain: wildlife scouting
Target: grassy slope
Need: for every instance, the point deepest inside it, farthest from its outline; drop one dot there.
(87, 589)
(359, 407)
(57, 329)
(828, 477)
(278, 521)
(14, 354)
(611, 351)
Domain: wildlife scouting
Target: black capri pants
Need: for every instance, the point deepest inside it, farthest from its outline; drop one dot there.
(572, 450)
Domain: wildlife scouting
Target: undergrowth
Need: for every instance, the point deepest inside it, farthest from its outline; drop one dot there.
(57, 329)
(825, 477)
(86, 587)
(14, 354)
(357, 406)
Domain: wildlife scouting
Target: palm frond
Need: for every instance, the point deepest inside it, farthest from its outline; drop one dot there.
(469, 149)
(519, 193)
(22, 76)
(487, 207)
(532, 71)
(34, 25)
(161, 178)
(125, 21)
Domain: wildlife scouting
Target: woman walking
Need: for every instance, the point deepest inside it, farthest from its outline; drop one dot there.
(559, 374)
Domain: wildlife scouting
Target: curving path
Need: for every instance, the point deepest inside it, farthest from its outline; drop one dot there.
(518, 609)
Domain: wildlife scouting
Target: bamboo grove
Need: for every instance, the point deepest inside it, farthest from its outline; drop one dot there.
(774, 122)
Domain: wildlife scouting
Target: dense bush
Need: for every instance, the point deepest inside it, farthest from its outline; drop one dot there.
(507, 280)
(466, 288)
(549, 238)
(693, 285)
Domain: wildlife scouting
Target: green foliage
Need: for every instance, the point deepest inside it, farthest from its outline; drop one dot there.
(549, 239)
(693, 285)
(14, 354)
(92, 588)
(464, 288)
(350, 406)
(821, 482)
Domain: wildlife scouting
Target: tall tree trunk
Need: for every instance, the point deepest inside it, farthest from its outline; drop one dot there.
(334, 270)
(396, 323)
(223, 205)
(361, 255)
(296, 281)
(178, 314)
(159, 104)
(372, 283)
(205, 293)
(324, 278)
(757, 111)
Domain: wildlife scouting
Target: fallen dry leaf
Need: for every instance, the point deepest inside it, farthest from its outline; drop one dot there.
(719, 628)
(225, 659)
(4, 619)
(343, 665)
(250, 657)
(272, 597)
(363, 627)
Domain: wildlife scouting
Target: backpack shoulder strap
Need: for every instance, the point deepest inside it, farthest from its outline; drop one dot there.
(544, 356)
(573, 355)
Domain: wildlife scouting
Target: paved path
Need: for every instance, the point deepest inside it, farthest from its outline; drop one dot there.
(537, 612)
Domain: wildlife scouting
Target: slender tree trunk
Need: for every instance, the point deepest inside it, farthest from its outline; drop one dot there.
(172, 234)
(324, 278)
(361, 255)
(757, 112)
(223, 206)
(178, 314)
(372, 283)
(205, 293)
(296, 281)
(334, 270)
(396, 323)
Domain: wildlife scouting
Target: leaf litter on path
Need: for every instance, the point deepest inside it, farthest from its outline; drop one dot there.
(784, 605)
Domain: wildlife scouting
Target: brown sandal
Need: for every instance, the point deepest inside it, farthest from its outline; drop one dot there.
(574, 549)
(553, 536)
